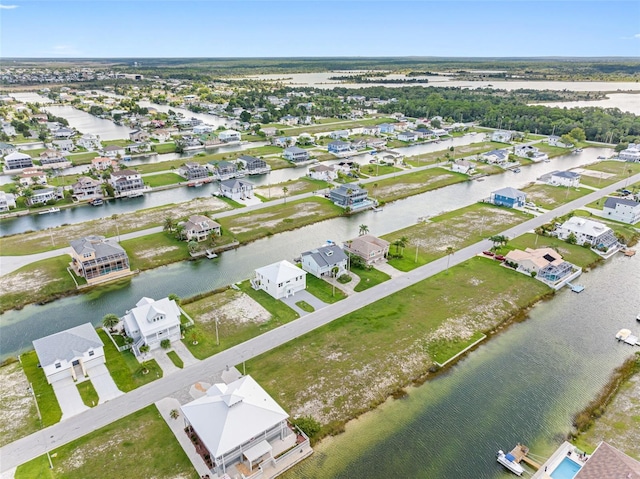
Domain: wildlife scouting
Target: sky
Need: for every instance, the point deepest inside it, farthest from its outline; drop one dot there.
(301, 28)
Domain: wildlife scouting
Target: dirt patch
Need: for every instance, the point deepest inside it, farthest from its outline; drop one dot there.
(391, 190)
(239, 308)
(593, 173)
(24, 282)
(152, 252)
(18, 416)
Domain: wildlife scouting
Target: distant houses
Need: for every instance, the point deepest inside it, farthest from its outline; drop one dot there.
(621, 209)
(631, 153)
(98, 259)
(280, 280)
(501, 136)
(509, 197)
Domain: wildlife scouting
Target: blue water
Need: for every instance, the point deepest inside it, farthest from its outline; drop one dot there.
(567, 469)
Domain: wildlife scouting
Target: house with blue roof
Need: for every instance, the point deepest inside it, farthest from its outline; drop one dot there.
(509, 197)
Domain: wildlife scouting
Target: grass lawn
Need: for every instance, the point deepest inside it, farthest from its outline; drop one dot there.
(323, 290)
(140, 444)
(251, 226)
(88, 393)
(82, 158)
(294, 187)
(47, 401)
(378, 170)
(163, 179)
(304, 306)
(551, 197)
(277, 163)
(619, 169)
(120, 142)
(35, 153)
(175, 359)
(161, 148)
(552, 151)
(352, 364)
(235, 324)
(458, 152)
(154, 250)
(443, 350)
(369, 278)
(36, 282)
(336, 126)
(391, 189)
(578, 255)
(628, 232)
(125, 369)
(277, 308)
(457, 229)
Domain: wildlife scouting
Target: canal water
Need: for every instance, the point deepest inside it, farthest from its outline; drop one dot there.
(19, 328)
(522, 386)
(87, 123)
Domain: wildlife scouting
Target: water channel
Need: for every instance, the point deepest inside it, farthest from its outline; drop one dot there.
(19, 328)
(522, 386)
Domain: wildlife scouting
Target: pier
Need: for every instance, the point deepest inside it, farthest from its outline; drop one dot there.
(520, 452)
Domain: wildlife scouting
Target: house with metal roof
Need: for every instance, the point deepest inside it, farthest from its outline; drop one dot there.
(151, 322)
(69, 353)
(235, 189)
(622, 209)
(328, 260)
(98, 259)
(496, 156)
(589, 232)
(280, 280)
(509, 197)
(253, 166)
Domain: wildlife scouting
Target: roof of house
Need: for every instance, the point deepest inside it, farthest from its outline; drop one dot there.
(113, 148)
(613, 202)
(125, 173)
(541, 257)
(509, 192)
(368, 243)
(250, 159)
(235, 183)
(99, 244)
(607, 462)
(280, 272)
(200, 223)
(565, 174)
(344, 189)
(16, 155)
(321, 168)
(147, 309)
(498, 153)
(295, 149)
(326, 255)
(585, 226)
(230, 415)
(67, 344)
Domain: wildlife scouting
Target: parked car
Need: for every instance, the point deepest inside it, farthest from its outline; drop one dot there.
(499, 257)
(489, 253)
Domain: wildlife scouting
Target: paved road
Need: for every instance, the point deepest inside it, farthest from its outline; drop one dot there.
(34, 445)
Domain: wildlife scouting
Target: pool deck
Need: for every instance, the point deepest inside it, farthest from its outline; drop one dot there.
(566, 449)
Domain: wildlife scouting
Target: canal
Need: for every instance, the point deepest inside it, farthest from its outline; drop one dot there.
(19, 328)
(524, 385)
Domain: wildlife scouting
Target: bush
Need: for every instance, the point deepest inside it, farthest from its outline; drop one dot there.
(307, 424)
(344, 279)
(165, 344)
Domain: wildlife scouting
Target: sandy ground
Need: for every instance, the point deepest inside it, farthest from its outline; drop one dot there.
(593, 173)
(235, 307)
(248, 223)
(275, 191)
(390, 190)
(24, 282)
(17, 407)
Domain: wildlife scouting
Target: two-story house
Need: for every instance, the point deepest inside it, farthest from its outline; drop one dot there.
(98, 259)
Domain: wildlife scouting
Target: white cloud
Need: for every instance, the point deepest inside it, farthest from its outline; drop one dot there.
(8, 7)
(64, 50)
(637, 35)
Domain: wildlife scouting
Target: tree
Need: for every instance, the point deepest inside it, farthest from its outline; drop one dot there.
(169, 224)
(174, 414)
(450, 252)
(578, 134)
(567, 140)
(110, 320)
(165, 344)
(180, 232)
(571, 239)
(436, 123)
(174, 297)
(285, 190)
(245, 116)
(404, 241)
(192, 246)
(144, 349)
(363, 229)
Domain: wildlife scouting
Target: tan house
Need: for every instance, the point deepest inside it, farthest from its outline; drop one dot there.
(98, 259)
(546, 263)
(199, 228)
(369, 248)
(102, 163)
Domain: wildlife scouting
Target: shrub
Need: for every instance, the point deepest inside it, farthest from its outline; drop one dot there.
(307, 424)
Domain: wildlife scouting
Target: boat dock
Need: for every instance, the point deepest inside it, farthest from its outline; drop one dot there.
(521, 454)
(576, 288)
(625, 336)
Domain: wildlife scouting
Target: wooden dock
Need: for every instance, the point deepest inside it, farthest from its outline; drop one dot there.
(520, 452)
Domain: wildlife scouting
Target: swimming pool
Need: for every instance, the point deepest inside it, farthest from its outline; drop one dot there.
(567, 469)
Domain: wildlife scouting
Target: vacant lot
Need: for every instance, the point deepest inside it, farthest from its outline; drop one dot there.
(342, 369)
(458, 152)
(551, 197)
(414, 183)
(615, 171)
(294, 187)
(162, 179)
(18, 416)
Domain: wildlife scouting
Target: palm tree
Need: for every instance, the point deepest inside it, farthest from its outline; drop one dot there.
(450, 252)
(192, 246)
(169, 224)
(363, 229)
(404, 241)
(174, 414)
(285, 190)
(144, 349)
(110, 320)
(180, 231)
(498, 240)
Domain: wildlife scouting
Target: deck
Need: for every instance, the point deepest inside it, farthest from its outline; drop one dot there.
(520, 453)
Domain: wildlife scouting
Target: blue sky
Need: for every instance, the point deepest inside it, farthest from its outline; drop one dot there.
(152, 28)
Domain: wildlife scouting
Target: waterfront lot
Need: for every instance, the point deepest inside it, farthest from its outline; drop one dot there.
(294, 187)
(458, 152)
(549, 197)
(395, 188)
(575, 254)
(18, 416)
(614, 171)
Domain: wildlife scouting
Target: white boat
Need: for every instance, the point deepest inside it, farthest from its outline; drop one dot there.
(50, 210)
(377, 208)
(638, 317)
(508, 461)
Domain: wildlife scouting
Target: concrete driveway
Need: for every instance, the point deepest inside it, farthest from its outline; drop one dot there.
(103, 383)
(164, 362)
(305, 296)
(68, 397)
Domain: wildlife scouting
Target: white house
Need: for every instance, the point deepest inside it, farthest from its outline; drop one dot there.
(563, 178)
(17, 161)
(69, 353)
(323, 261)
(202, 129)
(151, 322)
(589, 232)
(620, 209)
(632, 153)
(113, 151)
(89, 141)
(7, 201)
(462, 166)
(322, 172)
(546, 263)
(280, 280)
(407, 136)
(496, 156)
(501, 136)
(235, 189)
(229, 135)
(530, 152)
(296, 154)
(556, 141)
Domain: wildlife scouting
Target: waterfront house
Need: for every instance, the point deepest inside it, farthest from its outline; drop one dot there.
(133, 148)
(501, 136)
(509, 197)
(193, 171)
(235, 189)
(199, 228)
(253, 166)
(32, 176)
(621, 209)
(588, 232)
(327, 260)
(296, 154)
(17, 161)
(373, 130)
(240, 424)
(40, 197)
(151, 322)
(407, 136)
(64, 145)
(546, 263)
(368, 247)
(7, 201)
(203, 129)
(222, 170)
(103, 163)
(269, 131)
(113, 151)
(63, 132)
(376, 142)
(70, 353)
(387, 128)
(161, 135)
(98, 259)
(126, 182)
(89, 141)
(631, 153)
(462, 166)
(6, 149)
(229, 135)
(359, 144)
(562, 178)
(338, 147)
(530, 152)
(350, 196)
(54, 159)
(289, 120)
(282, 141)
(280, 280)
(339, 134)
(87, 188)
(322, 172)
(556, 141)
(496, 157)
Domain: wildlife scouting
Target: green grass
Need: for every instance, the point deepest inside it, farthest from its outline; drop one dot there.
(323, 290)
(578, 255)
(140, 250)
(120, 142)
(175, 359)
(369, 278)
(53, 281)
(620, 170)
(162, 179)
(125, 369)
(378, 170)
(82, 158)
(391, 189)
(277, 308)
(295, 187)
(552, 151)
(551, 197)
(161, 148)
(35, 153)
(443, 350)
(304, 306)
(459, 152)
(88, 393)
(335, 126)
(47, 401)
(140, 446)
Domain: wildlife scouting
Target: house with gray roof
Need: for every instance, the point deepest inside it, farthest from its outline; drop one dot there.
(199, 228)
(222, 170)
(622, 209)
(509, 197)
(253, 166)
(70, 353)
(323, 261)
(296, 154)
(98, 259)
(235, 189)
(562, 178)
(496, 156)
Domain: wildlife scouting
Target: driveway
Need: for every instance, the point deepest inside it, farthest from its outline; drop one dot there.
(68, 397)
(305, 296)
(187, 358)
(103, 383)
(387, 268)
(164, 362)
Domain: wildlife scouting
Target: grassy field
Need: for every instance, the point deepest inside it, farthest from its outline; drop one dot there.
(443, 350)
(125, 369)
(552, 151)
(369, 278)
(248, 227)
(47, 401)
(278, 163)
(619, 169)
(140, 445)
(151, 251)
(36, 282)
(342, 125)
(456, 229)
(277, 308)
(82, 158)
(175, 359)
(323, 290)
(458, 152)
(294, 187)
(378, 170)
(162, 179)
(391, 189)
(575, 254)
(88, 393)
(164, 147)
(352, 364)
(35, 153)
(550, 197)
